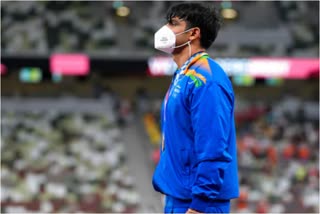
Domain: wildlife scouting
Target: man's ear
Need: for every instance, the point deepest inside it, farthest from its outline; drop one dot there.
(195, 34)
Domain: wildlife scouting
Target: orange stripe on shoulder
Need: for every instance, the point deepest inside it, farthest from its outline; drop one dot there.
(203, 63)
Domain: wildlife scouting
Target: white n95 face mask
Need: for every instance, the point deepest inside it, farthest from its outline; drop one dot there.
(165, 39)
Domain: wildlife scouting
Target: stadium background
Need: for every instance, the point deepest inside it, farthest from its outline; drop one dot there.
(82, 134)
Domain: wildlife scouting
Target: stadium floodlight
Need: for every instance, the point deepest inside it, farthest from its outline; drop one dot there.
(123, 11)
(229, 13)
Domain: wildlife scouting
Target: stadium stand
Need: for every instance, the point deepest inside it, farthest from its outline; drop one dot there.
(58, 158)
(262, 28)
(90, 143)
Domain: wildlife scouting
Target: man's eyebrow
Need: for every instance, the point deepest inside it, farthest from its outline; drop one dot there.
(175, 19)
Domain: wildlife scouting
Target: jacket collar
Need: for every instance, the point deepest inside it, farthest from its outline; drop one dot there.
(194, 58)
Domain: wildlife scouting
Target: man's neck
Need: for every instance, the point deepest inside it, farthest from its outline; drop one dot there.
(183, 56)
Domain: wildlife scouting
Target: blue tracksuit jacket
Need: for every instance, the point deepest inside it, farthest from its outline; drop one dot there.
(198, 159)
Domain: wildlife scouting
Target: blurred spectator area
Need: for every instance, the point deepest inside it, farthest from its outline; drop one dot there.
(282, 28)
(278, 156)
(63, 155)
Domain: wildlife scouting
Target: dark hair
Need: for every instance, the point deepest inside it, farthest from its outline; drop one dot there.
(198, 15)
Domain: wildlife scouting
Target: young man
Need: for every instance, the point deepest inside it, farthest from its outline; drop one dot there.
(197, 170)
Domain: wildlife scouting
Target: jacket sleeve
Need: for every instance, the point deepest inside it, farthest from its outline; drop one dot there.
(211, 114)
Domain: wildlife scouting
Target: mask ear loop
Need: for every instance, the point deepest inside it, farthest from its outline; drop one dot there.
(188, 42)
(183, 32)
(184, 43)
(189, 48)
